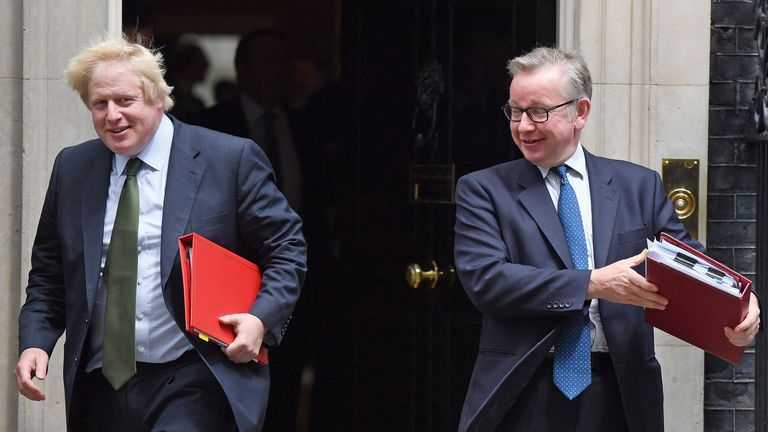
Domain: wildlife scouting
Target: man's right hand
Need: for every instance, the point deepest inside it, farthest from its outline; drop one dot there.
(33, 363)
(619, 283)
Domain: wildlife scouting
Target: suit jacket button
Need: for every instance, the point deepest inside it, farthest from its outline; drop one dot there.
(549, 305)
(568, 304)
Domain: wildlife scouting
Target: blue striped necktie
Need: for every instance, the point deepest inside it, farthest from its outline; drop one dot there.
(572, 371)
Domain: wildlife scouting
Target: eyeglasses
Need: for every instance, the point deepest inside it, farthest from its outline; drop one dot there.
(537, 115)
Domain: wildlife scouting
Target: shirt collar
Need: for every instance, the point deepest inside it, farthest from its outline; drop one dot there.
(157, 152)
(253, 110)
(577, 163)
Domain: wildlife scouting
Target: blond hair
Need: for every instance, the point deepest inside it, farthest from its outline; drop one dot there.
(576, 77)
(146, 63)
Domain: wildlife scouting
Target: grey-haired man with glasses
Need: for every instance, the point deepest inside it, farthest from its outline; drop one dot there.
(550, 249)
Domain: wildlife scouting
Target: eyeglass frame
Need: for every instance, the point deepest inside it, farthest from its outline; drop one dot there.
(546, 111)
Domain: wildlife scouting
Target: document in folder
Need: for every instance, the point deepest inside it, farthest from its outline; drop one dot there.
(704, 296)
(217, 282)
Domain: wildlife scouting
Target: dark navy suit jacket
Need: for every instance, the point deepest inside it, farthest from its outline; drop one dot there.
(513, 261)
(217, 185)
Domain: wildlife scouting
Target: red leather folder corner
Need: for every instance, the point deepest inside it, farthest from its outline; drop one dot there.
(217, 282)
(697, 312)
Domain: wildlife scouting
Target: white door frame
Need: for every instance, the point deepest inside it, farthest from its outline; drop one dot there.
(650, 102)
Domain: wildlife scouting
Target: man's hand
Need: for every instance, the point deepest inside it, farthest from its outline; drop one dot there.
(249, 333)
(743, 333)
(33, 363)
(619, 283)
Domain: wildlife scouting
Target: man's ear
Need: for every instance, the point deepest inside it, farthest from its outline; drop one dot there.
(583, 108)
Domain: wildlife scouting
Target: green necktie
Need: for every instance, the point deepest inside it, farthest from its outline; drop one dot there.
(119, 356)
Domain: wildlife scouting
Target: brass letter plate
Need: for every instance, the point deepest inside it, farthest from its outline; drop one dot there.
(681, 182)
(432, 184)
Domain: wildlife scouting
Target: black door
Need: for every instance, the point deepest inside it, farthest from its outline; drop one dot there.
(425, 80)
(415, 105)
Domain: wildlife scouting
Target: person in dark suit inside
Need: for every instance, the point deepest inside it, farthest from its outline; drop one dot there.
(304, 166)
(260, 113)
(105, 266)
(546, 248)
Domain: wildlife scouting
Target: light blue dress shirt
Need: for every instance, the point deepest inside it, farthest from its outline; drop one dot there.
(158, 338)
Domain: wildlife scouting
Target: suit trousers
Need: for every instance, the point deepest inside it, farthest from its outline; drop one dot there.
(541, 407)
(179, 396)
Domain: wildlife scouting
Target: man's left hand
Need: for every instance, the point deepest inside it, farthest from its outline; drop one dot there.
(249, 333)
(743, 333)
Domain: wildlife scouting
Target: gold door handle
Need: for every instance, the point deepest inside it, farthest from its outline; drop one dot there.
(430, 276)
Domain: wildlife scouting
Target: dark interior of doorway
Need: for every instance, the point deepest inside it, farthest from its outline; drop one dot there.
(366, 352)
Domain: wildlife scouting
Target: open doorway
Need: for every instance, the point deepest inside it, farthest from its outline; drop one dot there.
(366, 352)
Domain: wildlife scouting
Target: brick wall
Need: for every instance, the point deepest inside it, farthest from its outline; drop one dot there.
(729, 390)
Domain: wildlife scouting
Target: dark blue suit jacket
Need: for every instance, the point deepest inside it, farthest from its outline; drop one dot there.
(217, 185)
(513, 261)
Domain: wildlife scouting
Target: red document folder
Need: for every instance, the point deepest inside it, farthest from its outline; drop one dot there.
(697, 312)
(217, 282)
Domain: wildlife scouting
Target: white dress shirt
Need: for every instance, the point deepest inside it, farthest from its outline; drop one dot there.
(579, 179)
(290, 169)
(158, 338)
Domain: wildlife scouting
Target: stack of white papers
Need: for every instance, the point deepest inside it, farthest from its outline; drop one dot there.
(677, 258)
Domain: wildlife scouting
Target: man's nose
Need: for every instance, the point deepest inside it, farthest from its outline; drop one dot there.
(525, 123)
(113, 111)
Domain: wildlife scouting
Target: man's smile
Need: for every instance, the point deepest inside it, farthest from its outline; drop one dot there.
(531, 141)
(118, 129)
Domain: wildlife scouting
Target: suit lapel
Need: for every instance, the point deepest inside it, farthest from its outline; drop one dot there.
(183, 180)
(605, 202)
(93, 198)
(537, 201)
